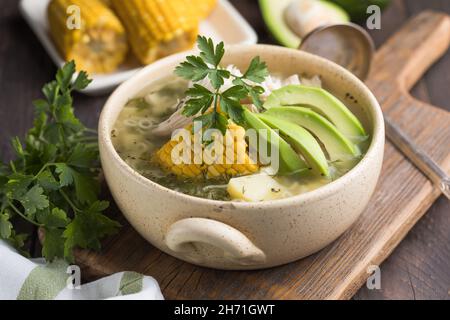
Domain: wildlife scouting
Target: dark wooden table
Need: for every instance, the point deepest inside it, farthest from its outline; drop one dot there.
(418, 269)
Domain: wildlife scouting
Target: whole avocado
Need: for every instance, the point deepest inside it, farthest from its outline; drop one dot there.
(357, 9)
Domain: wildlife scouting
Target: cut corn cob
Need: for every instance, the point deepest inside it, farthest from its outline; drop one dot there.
(107, 2)
(239, 165)
(99, 45)
(203, 7)
(157, 28)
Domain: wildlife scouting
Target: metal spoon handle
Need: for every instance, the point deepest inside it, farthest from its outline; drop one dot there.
(417, 156)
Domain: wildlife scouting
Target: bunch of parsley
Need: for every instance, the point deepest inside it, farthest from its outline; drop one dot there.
(215, 107)
(53, 182)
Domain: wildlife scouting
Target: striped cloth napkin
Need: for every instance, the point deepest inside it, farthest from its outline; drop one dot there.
(24, 279)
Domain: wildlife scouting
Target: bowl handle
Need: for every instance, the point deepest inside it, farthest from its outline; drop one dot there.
(236, 246)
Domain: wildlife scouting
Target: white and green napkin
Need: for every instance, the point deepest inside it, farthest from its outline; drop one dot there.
(24, 279)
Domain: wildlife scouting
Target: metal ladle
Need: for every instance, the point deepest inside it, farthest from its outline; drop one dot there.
(351, 46)
(347, 44)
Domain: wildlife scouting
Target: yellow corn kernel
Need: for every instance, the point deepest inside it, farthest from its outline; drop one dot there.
(107, 2)
(99, 45)
(228, 167)
(157, 28)
(203, 8)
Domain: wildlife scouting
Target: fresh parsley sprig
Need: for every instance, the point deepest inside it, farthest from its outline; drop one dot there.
(216, 106)
(53, 182)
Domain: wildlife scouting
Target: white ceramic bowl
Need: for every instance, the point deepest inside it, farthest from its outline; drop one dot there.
(238, 235)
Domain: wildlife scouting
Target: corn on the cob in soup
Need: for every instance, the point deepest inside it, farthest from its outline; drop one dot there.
(157, 28)
(234, 163)
(99, 45)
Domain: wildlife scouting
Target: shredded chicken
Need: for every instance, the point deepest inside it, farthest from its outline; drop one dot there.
(312, 82)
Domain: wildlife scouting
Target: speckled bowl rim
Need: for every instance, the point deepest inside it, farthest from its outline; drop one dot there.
(373, 109)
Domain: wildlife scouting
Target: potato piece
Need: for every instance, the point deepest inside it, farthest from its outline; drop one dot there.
(257, 187)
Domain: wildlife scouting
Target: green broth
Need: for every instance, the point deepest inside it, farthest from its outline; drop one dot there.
(132, 138)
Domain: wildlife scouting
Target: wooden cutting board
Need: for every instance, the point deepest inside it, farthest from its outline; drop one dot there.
(403, 195)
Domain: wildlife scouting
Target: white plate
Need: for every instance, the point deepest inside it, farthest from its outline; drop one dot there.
(224, 24)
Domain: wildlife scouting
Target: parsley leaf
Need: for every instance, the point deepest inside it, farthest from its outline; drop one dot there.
(47, 181)
(253, 91)
(257, 71)
(55, 218)
(82, 157)
(208, 53)
(200, 97)
(5, 226)
(65, 174)
(64, 75)
(52, 246)
(235, 93)
(192, 69)
(82, 81)
(34, 200)
(233, 108)
(87, 228)
(230, 103)
(214, 108)
(86, 188)
(53, 181)
(17, 185)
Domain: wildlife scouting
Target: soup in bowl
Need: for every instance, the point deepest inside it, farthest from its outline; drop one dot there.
(246, 161)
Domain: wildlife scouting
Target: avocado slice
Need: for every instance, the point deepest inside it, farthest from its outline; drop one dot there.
(303, 141)
(321, 101)
(273, 15)
(290, 161)
(273, 12)
(337, 145)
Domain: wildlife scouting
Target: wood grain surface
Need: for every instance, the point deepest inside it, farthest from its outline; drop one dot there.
(418, 268)
(338, 271)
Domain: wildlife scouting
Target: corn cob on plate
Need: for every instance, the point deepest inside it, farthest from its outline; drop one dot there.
(158, 28)
(99, 46)
(238, 31)
(203, 7)
(107, 2)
